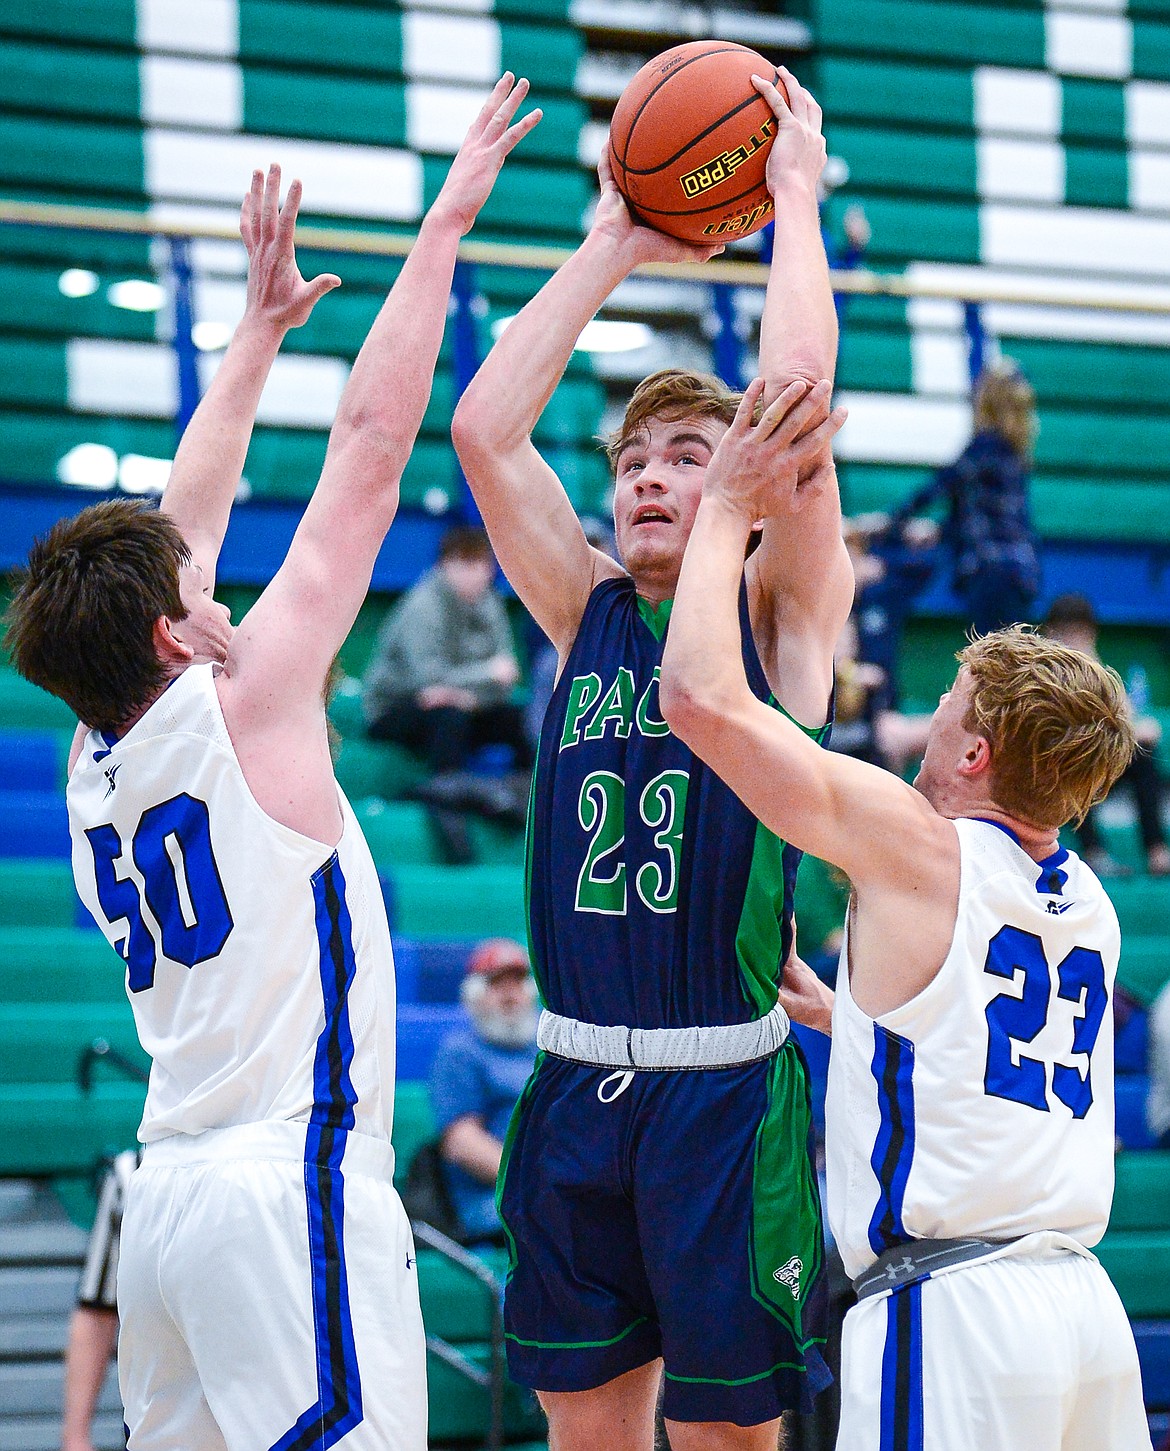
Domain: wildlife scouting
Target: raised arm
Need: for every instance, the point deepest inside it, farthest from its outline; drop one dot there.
(210, 457)
(533, 528)
(801, 570)
(860, 818)
(285, 646)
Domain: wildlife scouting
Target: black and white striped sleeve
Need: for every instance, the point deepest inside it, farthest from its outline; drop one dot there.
(99, 1276)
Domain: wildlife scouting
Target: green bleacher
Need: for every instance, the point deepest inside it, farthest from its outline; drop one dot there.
(917, 97)
(80, 120)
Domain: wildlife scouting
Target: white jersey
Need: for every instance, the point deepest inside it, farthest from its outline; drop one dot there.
(984, 1106)
(258, 961)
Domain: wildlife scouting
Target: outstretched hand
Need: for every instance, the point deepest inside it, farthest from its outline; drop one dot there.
(613, 219)
(277, 292)
(799, 146)
(765, 468)
(489, 139)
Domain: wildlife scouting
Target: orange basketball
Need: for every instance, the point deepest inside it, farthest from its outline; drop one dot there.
(690, 138)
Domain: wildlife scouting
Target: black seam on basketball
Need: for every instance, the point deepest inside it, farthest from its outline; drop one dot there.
(678, 70)
(700, 211)
(670, 160)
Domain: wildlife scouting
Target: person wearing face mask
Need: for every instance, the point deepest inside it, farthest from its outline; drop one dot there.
(477, 1076)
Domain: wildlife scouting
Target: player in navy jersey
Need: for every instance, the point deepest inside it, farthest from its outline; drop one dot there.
(969, 1118)
(656, 1186)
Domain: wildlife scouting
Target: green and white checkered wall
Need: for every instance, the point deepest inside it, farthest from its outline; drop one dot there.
(164, 107)
(1031, 142)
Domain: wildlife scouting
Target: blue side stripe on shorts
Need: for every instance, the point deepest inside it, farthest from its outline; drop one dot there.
(338, 1408)
(893, 1150)
(901, 1404)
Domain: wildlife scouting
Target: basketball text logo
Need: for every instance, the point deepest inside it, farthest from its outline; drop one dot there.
(703, 178)
(741, 223)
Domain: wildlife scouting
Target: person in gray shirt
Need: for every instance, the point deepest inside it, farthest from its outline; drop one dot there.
(441, 676)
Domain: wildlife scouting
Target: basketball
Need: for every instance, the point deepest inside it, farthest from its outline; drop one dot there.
(690, 139)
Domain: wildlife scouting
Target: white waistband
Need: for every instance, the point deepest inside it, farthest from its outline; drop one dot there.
(724, 1046)
(279, 1139)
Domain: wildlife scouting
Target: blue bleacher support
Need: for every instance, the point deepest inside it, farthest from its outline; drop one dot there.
(1130, 1092)
(1153, 1345)
(421, 1028)
(35, 755)
(406, 970)
(186, 354)
(441, 968)
(33, 824)
(1129, 1053)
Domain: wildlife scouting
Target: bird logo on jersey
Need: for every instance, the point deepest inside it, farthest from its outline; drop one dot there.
(111, 773)
(790, 1274)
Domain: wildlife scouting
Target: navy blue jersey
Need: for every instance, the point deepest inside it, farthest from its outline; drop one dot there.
(655, 898)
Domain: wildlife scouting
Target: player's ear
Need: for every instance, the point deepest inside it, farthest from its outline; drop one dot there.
(976, 759)
(170, 649)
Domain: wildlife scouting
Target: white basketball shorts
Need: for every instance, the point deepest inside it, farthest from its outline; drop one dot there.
(268, 1296)
(1028, 1352)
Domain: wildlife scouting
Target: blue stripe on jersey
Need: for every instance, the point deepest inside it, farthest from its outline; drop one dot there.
(893, 1151)
(338, 1408)
(901, 1402)
(1052, 881)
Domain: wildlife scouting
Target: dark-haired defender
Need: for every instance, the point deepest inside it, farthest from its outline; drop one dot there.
(662, 1222)
(266, 1287)
(970, 1106)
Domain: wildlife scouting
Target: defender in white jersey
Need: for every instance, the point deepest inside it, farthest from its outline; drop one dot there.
(266, 1285)
(970, 1107)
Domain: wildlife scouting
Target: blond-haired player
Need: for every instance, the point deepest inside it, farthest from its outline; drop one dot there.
(970, 1104)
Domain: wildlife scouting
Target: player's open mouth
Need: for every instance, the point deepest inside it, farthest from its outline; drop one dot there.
(650, 516)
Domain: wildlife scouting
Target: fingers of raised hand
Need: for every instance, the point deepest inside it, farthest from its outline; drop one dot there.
(319, 286)
(747, 405)
(250, 209)
(791, 402)
(772, 94)
(817, 439)
(521, 128)
(505, 113)
(798, 97)
(287, 219)
(270, 205)
(489, 108)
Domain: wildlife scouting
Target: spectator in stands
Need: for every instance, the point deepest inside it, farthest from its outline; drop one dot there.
(988, 524)
(93, 1329)
(440, 681)
(1158, 1050)
(477, 1076)
(867, 723)
(1072, 620)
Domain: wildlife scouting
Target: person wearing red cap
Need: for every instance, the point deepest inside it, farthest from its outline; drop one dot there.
(477, 1077)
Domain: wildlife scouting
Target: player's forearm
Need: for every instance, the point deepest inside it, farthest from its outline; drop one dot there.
(702, 666)
(92, 1336)
(390, 383)
(798, 331)
(210, 459)
(506, 397)
(468, 1145)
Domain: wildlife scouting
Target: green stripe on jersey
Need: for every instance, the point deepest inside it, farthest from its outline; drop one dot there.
(787, 1245)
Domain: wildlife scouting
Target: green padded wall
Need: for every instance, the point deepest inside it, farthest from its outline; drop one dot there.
(163, 109)
(1030, 140)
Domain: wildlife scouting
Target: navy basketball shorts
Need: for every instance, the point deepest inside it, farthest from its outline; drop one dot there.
(670, 1214)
